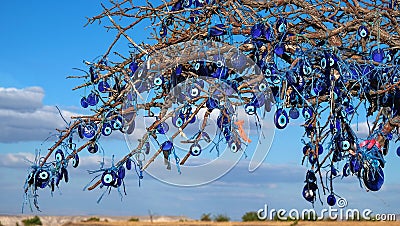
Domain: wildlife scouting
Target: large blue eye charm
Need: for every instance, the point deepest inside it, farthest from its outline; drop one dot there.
(108, 178)
(89, 131)
(163, 128)
(363, 31)
(59, 155)
(234, 147)
(107, 129)
(93, 148)
(281, 118)
(373, 178)
(345, 145)
(75, 160)
(133, 66)
(195, 149)
(307, 113)
(84, 102)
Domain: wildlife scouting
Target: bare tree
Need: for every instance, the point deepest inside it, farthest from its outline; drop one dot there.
(324, 59)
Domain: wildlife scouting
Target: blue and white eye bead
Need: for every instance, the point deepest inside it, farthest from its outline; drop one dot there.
(281, 25)
(178, 120)
(250, 109)
(194, 92)
(234, 147)
(89, 131)
(306, 69)
(107, 129)
(108, 178)
(75, 161)
(195, 149)
(158, 81)
(84, 102)
(59, 155)
(117, 123)
(281, 118)
(307, 113)
(363, 31)
(93, 148)
(262, 87)
(345, 145)
(43, 175)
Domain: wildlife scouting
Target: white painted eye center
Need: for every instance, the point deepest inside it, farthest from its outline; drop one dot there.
(194, 92)
(282, 28)
(220, 63)
(345, 145)
(117, 124)
(59, 157)
(44, 175)
(233, 147)
(282, 120)
(157, 81)
(73, 161)
(331, 61)
(262, 87)
(179, 122)
(268, 72)
(108, 178)
(363, 33)
(309, 193)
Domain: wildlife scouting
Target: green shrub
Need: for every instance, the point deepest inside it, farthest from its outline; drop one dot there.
(205, 217)
(135, 219)
(32, 221)
(250, 216)
(221, 218)
(92, 219)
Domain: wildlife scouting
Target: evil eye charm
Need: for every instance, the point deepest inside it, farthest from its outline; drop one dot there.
(163, 31)
(93, 148)
(103, 86)
(373, 178)
(92, 99)
(331, 200)
(345, 145)
(206, 137)
(107, 129)
(281, 118)
(294, 113)
(279, 49)
(250, 109)
(64, 173)
(363, 31)
(43, 175)
(75, 161)
(84, 102)
(178, 120)
(167, 146)
(378, 55)
(306, 69)
(310, 176)
(217, 30)
(108, 178)
(162, 128)
(262, 87)
(158, 80)
(281, 25)
(117, 123)
(133, 67)
(59, 155)
(194, 92)
(89, 131)
(309, 192)
(346, 170)
(307, 113)
(257, 30)
(234, 146)
(195, 149)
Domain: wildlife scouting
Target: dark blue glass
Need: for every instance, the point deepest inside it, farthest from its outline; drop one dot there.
(84, 102)
(211, 104)
(107, 129)
(93, 148)
(128, 164)
(121, 172)
(281, 118)
(195, 149)
(217, 30)
(378, 55)
(373, 178)
(59, 155)
(167, 145)
(89, 130)
(257, 30)
(92, 99)
(279, 49)
(162, 128)
(75, 160)
(103, 86)
(331, 200)
(294, 113)
(108, 178)
(363, 31)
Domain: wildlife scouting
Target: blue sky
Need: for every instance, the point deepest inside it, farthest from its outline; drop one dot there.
(40, 43)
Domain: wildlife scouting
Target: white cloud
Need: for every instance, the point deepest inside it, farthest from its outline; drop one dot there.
(361, 129)
(23, 117)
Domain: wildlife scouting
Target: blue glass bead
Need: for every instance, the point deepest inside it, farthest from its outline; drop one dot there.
(167, 145)
(75, 160)
(59, 155)
(128, 164)
(331, 200)
(89, 130)
(294, 113)
(217, 30)
(373, 178)
(107, 129)
(307, 113)
(211, 104)
(133, 67)
(281, 25)
(117, 123)
(378, 55)
(92, 99)
(93, 148)
(346, 170)
(398, 151)
(108, 178)
(309, 192)
(363, 31)
(279, 49)
(84, 102)
(257, 30)
(162, 128)
(121, 172)
(103, 86)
